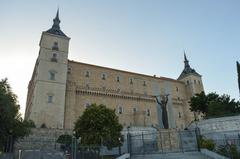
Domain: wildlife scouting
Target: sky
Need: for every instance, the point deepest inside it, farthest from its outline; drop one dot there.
(143, 36)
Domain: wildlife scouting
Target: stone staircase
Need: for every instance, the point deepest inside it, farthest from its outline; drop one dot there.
(41, 155)
(179, 155)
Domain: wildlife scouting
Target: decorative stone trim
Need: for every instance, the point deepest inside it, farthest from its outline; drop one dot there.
(113, 93)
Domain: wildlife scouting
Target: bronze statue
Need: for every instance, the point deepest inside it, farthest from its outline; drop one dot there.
(163, 103)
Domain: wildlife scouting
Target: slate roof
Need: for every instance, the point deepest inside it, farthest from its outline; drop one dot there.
(187, 69)
(56, 27)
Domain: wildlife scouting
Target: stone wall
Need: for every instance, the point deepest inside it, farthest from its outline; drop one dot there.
(219, 128)
(41, 139)
(133, 92)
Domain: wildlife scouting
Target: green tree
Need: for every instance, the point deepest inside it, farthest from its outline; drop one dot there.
(200, 102)
(99, 125)
(214, 105)
(12, 125)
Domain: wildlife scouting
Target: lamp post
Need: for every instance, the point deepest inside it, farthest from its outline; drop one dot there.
(128, 140)
(74, 146)
(10, 141)
(119, 146)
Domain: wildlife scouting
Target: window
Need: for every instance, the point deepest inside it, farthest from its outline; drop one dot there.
(55, 46)
(148, 112)
(50, 99)
(87, 74)
(118, 79)
(199, 82)
(177, 89)
(54, 57)
(179, 114)
(103, 77)
(145, 93)
(134, 110)
(87, 86)
(52, 75)
(131, 81)
(195, 81)
(144, 83)
(187, 82)
(120, 110)
(87, 105)
(178, 98)
(69, 70)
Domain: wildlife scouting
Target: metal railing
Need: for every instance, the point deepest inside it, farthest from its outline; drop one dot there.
(163, 142)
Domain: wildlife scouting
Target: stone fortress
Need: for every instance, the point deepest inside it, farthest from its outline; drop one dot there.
(61, 89)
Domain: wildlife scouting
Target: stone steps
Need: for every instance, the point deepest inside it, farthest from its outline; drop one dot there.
(41, 155)
(179, 155)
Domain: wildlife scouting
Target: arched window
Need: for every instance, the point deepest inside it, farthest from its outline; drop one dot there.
(103, 77)
(69, 70)
(179, 114)
(55, 46)
(118, 79)
(131, 81)
(144, 83)
(87, 74)
(148, 112)
(134, 109)
(120, 109)
(54, 57)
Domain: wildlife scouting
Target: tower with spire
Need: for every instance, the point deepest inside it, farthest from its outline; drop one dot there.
(193, 84)
(47, 87)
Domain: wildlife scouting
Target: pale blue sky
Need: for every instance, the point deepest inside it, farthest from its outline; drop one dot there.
(145, 36)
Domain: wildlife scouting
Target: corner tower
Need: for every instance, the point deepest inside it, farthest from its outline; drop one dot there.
(47, 87)
(193, 85)
(192, 79)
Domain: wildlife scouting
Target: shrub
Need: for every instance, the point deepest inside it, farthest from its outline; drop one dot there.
(43, 125)
(207, 143)
(229, 151)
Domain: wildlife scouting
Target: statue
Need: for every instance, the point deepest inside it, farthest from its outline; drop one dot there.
(163, 103)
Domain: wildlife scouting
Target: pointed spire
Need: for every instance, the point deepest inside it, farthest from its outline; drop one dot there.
(56, 27)
(185, 57)
(56, 21)
(186, 62)
(187, 69)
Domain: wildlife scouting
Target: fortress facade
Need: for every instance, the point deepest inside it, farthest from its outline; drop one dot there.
(61, 89)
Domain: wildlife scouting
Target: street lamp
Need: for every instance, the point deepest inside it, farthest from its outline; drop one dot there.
(10, 141)
(128, 139)
(119, 146)
(74, 146)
